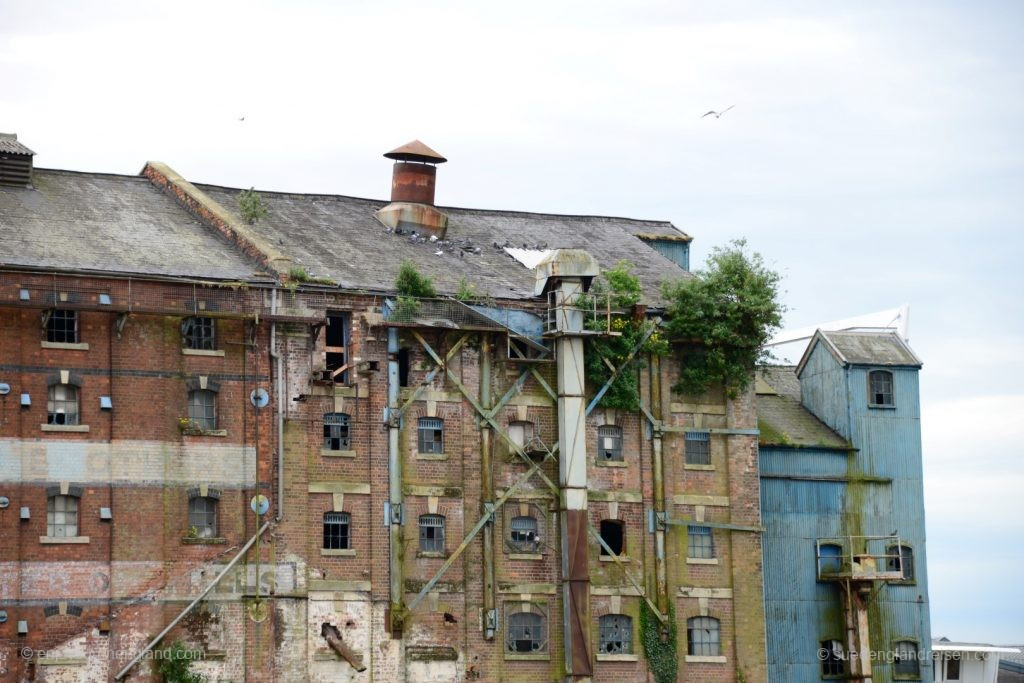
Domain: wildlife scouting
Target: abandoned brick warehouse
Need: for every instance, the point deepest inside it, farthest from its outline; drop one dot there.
(234, 436)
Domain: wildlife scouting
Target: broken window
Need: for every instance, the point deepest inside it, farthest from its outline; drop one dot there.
(336, 345)
(616, 635)
(905, 662)
(403, 367)
(336, 434)
(880, 388)
(526, 632)
(337, 529)
(62, 516)
(698, 448)
(432, 533)
(202, 516)
(62, 326)
(62, 405)
(613, 534)
(703, 637)
(523, 534)
(701, 544)
(202, 409)
(900, 558)
(198, 333)
(609, 443)
(430, 435)
(832, 658)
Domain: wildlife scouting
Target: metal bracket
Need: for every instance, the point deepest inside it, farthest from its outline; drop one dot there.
(122, 318)
(396, 513)
(392, 418)
(489, 511)
(661, 519)
(491, 620)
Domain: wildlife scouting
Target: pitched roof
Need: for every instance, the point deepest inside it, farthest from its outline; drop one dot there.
(782, 420)
(9, 144)
(101, 222)
(863, 348)
(337, 237)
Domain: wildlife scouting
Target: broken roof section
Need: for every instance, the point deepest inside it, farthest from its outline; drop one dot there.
(781, 418)
(122, 224)
(337, 237)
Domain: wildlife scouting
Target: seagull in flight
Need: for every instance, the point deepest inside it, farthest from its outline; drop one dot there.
(718, 114)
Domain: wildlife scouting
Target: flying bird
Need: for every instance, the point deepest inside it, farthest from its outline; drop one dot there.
(241, 118)
(718, 114)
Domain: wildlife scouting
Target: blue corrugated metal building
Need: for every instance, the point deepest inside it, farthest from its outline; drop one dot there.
(845, 572)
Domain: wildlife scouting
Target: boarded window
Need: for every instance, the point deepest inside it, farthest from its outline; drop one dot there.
(430, 435)
(703, 637)
(609, 443)
(520, 432)
(432, 533)
(526, 633)
(202, 409)
(336, 434)
(62, 405)
(613, 533)
(202, 516)
(62, 516)
(199, 333)
(700, 543)
(880, 387)
(905, 662)
(832, 658)
(523, 534)
(337, 531)
(698, 448)
(616, 635)
(900, 558)
(62, 327)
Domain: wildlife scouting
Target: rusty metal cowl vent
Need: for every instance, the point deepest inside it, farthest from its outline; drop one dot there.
(412, 191)
(15, 161)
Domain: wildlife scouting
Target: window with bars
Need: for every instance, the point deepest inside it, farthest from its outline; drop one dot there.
(900, 558)
(609, 443)
(430, 435)
(62, 405)
(202, 516)
(698, 448)
(832, 658)
(62, 326)
(62, 516)
(199, 333)
(615, 635)
(905, 662)
(337, 531)
(432, 533)
(880, 388)
(700, 544)
(526, 633)
(703, 638)
(336, 434)
(523, 534)
(202, 409)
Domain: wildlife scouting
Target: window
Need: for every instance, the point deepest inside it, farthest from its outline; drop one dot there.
(526, 633)
(62, 327)
(431, 435)
(830, 558)
(202, 516)
(613, 533)
(520, 432)
(616, 635)
(702, 637)
(701, 544)
(900, 558)
(337, 534)
(336, 432)
(432, 533)
(337, 344)
(609, 443)
(62, 516)
(403, 367)
(880, 388)
(698, 448)
(523, 534)
(202, 409)
(62, 405)
(198, 333)
(951, 663)
(832, 658)
(905, 662)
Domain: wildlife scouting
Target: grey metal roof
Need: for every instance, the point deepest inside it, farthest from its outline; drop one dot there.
(782, 420)
(100, 222)
(872, 348)
(9, 144)
(337, 237)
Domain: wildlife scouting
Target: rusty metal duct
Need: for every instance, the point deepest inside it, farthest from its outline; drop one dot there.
(413, 181)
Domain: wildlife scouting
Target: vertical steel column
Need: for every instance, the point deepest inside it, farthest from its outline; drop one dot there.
(658, 468)
(572, 477)
(490, 621)
(394, 487)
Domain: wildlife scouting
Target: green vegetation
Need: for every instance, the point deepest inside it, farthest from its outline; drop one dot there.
(299, 274)
(661, 654)
(722, 318)
(467, 292)
(174, 664)
(411, 285)
(250, 205)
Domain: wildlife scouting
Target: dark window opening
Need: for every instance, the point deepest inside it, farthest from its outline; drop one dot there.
(523, 534)
(613, 534)
(336, 432)
(616, 635)
(430, 435)
(432, 533)
(526, 633)
(900, 558)
(703, 637)
(880, 387)
(336, 531)
(62, 327)
(199, 333)
(609, 443)
(832, 658)
(700, 543)
(403, 367)
(952, 665)
(336, 345)
(698, 448)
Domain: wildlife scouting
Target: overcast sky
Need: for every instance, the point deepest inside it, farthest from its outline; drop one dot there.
(874, 156)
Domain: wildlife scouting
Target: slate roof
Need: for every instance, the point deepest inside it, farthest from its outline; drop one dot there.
(870, 348)
(101, 222)
(337, 237)
(783, 421)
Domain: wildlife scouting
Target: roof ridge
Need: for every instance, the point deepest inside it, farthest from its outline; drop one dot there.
(68, 171)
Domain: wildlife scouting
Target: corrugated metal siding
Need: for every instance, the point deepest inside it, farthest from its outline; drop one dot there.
(823, 389)
(674, 250)
(803, 461)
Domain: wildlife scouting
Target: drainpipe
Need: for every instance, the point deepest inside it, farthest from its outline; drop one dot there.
(279, 393)
(394, 487)
(487, 489)
(658, 468)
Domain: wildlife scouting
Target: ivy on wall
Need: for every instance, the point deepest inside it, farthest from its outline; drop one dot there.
(662, 655)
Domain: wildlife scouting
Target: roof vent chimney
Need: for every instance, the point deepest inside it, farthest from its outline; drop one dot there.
(15, 161)
(412, 191)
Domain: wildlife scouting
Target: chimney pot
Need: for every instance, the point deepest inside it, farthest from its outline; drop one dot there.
(415, 173)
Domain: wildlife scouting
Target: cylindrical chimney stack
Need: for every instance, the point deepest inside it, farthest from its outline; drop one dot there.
(415, 173)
